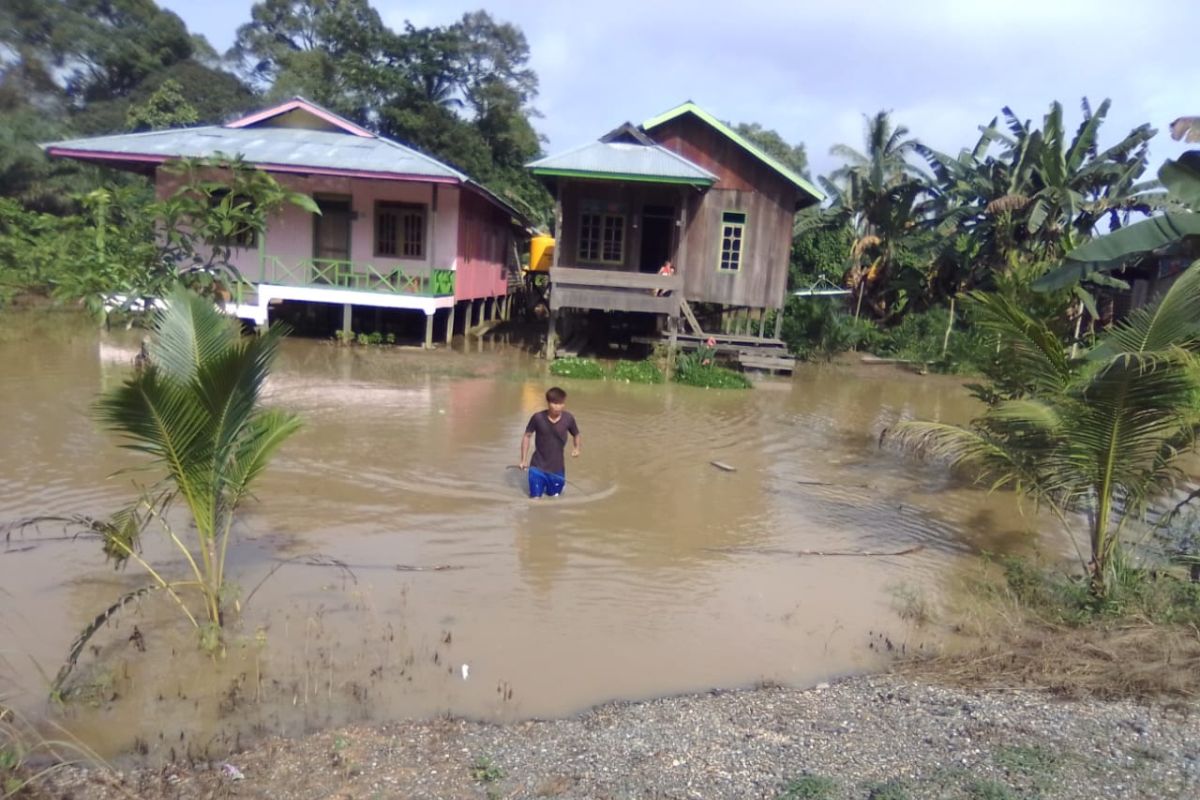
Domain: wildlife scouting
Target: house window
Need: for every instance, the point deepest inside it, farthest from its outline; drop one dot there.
(235, 209)
(399, 230)
(733, 240)
(602, 238)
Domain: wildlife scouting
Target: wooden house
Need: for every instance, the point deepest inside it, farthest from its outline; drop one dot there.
(397, 229)
(684, 188)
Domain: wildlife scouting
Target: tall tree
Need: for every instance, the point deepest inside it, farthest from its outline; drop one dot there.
(794, 157)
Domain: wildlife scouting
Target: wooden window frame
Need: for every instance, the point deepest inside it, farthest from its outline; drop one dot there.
(604, 217)
(400, 208)
(740, 227)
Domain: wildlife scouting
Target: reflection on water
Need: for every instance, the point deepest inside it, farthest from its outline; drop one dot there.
(656, 573)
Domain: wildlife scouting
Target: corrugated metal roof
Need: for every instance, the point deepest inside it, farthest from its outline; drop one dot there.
(292, 147)
(623, 161)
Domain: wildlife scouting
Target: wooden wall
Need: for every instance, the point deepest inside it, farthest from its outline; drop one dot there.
(623, 198)
(484, 243)
(744, 184)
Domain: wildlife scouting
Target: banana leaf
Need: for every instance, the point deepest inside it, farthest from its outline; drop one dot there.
(1114, 250)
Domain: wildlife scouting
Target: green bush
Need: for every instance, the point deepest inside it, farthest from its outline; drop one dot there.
(700, 369)
(637, 372)
(817, 327)
(919, 337)
(577, 368)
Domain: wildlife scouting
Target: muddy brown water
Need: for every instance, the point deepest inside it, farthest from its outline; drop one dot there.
(656, 573)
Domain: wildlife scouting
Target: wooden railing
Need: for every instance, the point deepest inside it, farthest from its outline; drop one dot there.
(357, 275)
(612, 290)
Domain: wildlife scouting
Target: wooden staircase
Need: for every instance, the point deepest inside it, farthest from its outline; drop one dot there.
(764, 353)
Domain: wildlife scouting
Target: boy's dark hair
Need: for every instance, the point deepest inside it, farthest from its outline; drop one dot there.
(555, 395)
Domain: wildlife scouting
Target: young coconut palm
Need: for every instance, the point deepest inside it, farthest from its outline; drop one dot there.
(195, 409)
(1101, 435)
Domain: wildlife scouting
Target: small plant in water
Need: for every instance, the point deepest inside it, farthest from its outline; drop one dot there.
(195, 410)
(700, 369)
(22, 747)
(577, 368)
(637, 372)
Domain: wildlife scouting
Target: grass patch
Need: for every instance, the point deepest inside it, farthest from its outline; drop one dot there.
(809, 787)
(485, 770)
(890, 790)
(637, 372)
(584, 368)
(27, 758)
(984, 789)
(1029, 626)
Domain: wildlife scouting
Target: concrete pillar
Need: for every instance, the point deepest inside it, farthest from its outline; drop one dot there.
(450, 325)
(347, 319)
(429, 330)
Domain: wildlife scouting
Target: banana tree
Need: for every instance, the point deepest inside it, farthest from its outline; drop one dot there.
(1123, 246)
(1101, 435)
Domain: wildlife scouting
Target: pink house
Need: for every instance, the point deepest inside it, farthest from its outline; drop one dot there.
(398, 229)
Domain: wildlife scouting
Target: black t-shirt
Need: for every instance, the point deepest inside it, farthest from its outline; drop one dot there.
(549, 440)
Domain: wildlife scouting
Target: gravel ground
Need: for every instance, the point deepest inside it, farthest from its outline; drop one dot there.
(877, 738)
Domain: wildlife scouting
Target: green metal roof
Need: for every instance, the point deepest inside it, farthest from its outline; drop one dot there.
(691, 108)
(625, 162)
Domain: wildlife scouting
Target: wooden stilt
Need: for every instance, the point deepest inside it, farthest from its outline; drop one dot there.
(450, 325)
(672, 344)
(778, 322)
(476, 313)
(551, 334)
(428, 330)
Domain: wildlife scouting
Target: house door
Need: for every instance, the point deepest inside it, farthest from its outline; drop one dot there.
(658, 237)
(331, 230)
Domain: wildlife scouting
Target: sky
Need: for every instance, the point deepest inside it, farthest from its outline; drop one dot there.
(812, 70)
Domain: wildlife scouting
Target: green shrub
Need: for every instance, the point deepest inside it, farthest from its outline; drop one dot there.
(577, 368)
(637, 372)
(701, 369)
(817, 327)
(919, 337)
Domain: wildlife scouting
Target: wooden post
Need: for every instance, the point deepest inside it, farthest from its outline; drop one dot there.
(672, 343)
(550, 335)
(762, 323)
(778, 322)
(347, 319)
(429, 330)
(450, 324)
(476, 313)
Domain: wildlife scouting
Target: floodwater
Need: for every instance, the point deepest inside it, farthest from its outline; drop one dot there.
(656, 573)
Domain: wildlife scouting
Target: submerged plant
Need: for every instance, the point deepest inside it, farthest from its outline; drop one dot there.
(577, 368)
(637, 372)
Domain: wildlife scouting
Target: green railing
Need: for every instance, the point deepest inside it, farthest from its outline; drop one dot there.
(357, 275)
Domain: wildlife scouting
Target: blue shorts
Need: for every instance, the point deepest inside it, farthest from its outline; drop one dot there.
(545, 483)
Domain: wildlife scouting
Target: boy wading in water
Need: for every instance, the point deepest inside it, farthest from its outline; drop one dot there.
(547, 472)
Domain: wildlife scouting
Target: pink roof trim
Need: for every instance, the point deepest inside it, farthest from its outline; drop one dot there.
(292, 105)
(289, 168)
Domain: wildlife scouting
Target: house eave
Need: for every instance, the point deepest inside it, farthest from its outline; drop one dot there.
(622, 177)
